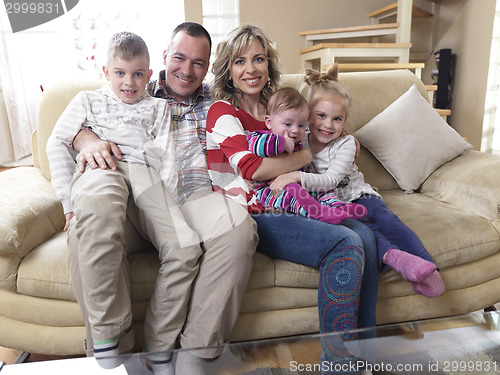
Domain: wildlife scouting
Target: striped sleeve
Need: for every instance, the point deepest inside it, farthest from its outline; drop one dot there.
(228, 137)
(60, 150)
(265, 143)
(229, 161)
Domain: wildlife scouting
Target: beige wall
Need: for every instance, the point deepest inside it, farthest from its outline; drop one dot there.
(283, 19)
(193, 10)
(465, 27)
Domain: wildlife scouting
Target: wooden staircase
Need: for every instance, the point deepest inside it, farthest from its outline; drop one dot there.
(324, 47)
(358, 48)
(359, 67)
(350, 32)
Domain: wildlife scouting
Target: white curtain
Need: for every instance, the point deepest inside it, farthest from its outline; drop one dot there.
(491, 125)
(18, 122)
(73, 44)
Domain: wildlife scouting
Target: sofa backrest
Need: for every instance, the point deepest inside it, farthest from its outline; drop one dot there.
(372, 92)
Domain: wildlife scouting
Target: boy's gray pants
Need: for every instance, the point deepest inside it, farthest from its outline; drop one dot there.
(199, 289)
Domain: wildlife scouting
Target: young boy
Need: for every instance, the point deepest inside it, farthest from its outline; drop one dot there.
(286, 120)
(143, 187)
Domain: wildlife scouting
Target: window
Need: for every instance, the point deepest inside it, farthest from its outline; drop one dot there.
(74, 44)
(491, 124)
(219, 17)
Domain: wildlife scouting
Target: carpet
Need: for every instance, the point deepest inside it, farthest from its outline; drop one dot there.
(465, 356)
(280, 371)
(468, 361)
(471, 363)
(460, 351)
(467, 350)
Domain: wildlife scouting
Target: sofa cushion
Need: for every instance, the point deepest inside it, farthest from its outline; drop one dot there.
(451, 235)
(411, 140)
(469, 182)
(294, 275)
(44, 272)
(279, 298)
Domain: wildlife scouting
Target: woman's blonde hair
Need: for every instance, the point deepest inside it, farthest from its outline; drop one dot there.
(323, 85)
(228, 50)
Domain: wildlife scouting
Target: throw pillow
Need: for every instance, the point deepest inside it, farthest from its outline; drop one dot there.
(411, 140)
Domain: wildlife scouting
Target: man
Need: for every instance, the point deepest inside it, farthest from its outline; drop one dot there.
(228, 234)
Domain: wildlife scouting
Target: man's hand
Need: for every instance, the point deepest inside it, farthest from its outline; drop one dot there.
(278, 184)
(94, 151)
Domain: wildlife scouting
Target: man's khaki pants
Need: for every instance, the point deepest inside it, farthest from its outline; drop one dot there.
(228, 239)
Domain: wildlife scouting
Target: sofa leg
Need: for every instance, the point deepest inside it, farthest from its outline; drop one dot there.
(22, 358)
(491, 324)
(416, 328)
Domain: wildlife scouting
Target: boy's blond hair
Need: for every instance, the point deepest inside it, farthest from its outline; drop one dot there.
(126, 45)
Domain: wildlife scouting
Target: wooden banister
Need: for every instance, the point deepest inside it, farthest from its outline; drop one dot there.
(416, 11)
(379, 26)
(320, 46)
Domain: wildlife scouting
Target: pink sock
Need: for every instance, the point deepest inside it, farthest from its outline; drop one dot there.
(431, 287)
(411, 267)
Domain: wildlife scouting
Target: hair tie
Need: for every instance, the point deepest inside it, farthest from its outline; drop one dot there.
(313, 77)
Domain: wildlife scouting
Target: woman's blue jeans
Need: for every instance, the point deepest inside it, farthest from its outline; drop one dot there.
(345, 255)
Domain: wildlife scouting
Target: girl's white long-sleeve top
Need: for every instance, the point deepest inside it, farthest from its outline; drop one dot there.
(333, 168)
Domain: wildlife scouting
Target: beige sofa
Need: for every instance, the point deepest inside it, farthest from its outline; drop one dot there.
(455, 213)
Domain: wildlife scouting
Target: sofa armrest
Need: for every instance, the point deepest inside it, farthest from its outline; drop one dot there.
(470, 182)
(31, 212)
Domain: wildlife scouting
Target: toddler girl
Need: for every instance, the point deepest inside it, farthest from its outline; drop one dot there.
(286, 120)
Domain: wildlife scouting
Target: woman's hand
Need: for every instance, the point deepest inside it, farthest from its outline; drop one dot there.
(275, 166)
(358, 145)
(250, 184)
(278, 184)
(95, 151)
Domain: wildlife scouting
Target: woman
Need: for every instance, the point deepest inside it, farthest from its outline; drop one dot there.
(246, 73)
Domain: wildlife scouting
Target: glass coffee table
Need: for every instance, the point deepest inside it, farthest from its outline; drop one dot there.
(466, 344)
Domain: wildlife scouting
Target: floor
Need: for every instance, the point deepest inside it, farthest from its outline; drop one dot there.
(298, 351)
(9, 356)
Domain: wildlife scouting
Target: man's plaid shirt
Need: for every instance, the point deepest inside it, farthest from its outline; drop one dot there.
(189, 125)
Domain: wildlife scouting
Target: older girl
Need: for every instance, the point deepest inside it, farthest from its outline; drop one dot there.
(246, 74)
(333, 163)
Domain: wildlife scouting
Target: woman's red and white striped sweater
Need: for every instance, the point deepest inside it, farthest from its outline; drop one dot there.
(230, 163)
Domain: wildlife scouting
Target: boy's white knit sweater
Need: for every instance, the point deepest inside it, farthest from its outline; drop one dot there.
(141, 131)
